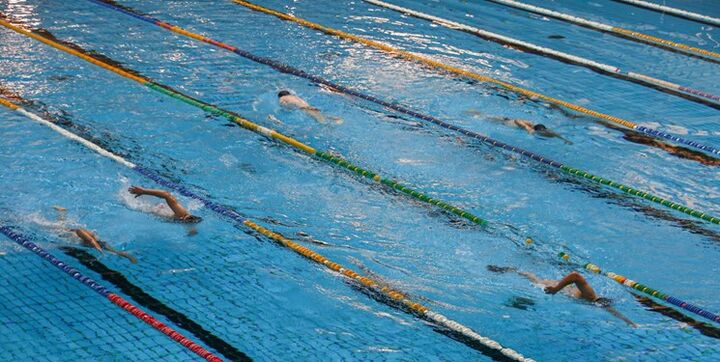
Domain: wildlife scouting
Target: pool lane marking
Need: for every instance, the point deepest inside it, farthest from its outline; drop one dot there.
(472, 75)
(565, 168)
(321, 155)
(146, 300)
(625, 33)
(575, 172)
(707, 329)
(645, 289)
(709, 20)
(284, 68)
(694, 95)
(23, 241)
(394, 297)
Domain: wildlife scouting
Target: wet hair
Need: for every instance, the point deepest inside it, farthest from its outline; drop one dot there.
(190, 219)
(603, 302)
(539, 127)
(283, 93)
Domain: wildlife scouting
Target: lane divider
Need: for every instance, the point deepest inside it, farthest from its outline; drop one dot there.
(397, 297)
(646, 80)
(625, 33)
(472, 75)
(709, 20)
(269, 133)
(645, 289)
(564, 168)
(136, 293)
(394, 298)
(402, 109)
(20, 239)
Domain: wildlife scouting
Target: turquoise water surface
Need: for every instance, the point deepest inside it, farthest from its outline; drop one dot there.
(263, 300)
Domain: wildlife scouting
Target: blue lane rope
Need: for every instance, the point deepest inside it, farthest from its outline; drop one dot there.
(284, 68)
(76, 274)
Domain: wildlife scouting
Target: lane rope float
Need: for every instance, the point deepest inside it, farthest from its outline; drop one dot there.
(564, 168)
(709, 20)
(646, 80)
(394, 297)
(645, 289)
(138, 313)
(472, 75)
(402, 109)
(269, 133)
(625, 33)
(229, 213)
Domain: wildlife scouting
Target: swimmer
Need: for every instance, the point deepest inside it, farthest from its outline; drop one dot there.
(291, 101)
(573, 285)
(89, 239)
(677, 151)
(530, 128)
(179, 212)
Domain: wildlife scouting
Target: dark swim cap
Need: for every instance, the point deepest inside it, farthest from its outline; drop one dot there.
(603, 302)
(191, 219)
(539, 127)
(283, 93)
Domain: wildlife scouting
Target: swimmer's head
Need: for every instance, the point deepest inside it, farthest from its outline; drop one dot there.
(191, 219)
(539, 127)
(603, 302)
(283, 93)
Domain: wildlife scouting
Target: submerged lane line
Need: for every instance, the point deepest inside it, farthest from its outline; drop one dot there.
(23, 241)
(564, 168)
(416, 308)
(688, 93)
(146, 300)
(394, 298)
(709, 20)
(284, 68)
(472, 75)
(622, 32)
(324, 156)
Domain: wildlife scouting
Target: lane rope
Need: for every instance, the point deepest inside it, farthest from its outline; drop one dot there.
(397, 298)
(402, 109)
(709, 20)
(414, 307)
(564, 168)
(269, 133)
(472, 75)
(646, 80)
(625, 33)
(645, 289)
(23, 241)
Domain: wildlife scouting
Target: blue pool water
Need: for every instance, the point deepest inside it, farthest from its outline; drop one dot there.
(270, 303)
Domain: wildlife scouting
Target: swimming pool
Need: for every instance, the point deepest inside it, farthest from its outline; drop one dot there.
(238, 293)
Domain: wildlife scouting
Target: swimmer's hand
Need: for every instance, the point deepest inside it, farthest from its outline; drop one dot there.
(59, 208)
(136, 190)
(551, 290)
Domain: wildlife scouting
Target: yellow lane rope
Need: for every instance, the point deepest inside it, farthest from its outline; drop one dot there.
(324, 156)
(398, 298)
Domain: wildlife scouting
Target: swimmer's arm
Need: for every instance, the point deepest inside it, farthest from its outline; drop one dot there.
(586, 291)
(524, 125)
(532, 277)
(138, 191)
(619, 315)
(171, 201)
(551, 134)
